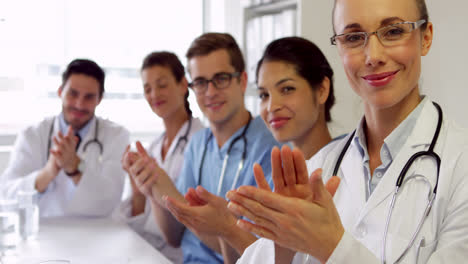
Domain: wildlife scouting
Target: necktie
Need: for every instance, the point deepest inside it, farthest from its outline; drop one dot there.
(79, 141)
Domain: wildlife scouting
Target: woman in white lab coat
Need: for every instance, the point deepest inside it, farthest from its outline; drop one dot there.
(166, 90)
(366, 221)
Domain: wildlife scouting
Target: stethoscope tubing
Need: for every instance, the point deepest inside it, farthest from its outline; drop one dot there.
(185, 136)
(85, 146)
(401, 179)
(226, 158)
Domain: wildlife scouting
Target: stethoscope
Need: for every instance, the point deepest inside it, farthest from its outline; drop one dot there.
(95, 140)
(223, 168)
(401, 179)
(183, 138)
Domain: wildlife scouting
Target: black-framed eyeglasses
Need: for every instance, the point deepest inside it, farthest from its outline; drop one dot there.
(220, 81)
(391, 35)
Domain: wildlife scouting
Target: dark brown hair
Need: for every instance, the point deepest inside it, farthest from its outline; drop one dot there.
(209, 42)
(86, 67)
(307, 59)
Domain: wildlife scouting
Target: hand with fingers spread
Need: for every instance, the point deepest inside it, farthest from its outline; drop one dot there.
(65, 150)
(288, 185)
(289, 173)
(300, 216)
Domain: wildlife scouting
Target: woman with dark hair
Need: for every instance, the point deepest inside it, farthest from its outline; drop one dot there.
(404, 170)
(295, 86)
(166, 91)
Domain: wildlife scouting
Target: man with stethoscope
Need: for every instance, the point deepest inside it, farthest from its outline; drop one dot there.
(72, 159)
(216, 160)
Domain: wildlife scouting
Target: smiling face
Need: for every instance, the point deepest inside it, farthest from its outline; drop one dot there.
(289, 107)
(163, 93)
(219, 106)
(80, 97)
(383, 76)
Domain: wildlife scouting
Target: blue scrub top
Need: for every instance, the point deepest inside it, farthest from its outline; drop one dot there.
(259, 145)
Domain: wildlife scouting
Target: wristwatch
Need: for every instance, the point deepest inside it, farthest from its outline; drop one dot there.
(79, 169)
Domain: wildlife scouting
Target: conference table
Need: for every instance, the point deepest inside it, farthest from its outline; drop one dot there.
(85, 240)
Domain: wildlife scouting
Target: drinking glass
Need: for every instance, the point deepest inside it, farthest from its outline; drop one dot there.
(9, 227)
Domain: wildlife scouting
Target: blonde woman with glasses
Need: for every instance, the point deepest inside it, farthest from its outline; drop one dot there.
(402, 173)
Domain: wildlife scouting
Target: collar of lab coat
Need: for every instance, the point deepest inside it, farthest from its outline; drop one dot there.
(156, 147)
(419, 139)
(89, 136)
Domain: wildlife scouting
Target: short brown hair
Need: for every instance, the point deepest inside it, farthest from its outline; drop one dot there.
(209, 42)
(86, 67)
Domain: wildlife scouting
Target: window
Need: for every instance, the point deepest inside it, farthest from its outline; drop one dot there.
(264, 21)
(39, 38)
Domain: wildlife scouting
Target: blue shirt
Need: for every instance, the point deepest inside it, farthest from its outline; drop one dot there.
(259, 145)
(392, 145)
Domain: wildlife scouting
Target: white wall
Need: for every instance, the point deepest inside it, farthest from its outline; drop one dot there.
(444, 68)
(315, 24)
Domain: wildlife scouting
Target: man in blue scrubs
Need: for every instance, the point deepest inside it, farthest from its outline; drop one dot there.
(213, 159)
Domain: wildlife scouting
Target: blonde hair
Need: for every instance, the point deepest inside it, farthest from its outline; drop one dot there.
(421, 4)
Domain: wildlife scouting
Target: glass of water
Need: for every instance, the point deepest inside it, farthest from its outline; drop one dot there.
(9, 227)
(28, 211)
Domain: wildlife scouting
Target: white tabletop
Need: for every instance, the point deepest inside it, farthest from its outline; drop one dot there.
(83, 240)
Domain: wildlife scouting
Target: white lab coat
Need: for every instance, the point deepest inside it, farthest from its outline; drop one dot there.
(145, 224)
(444, 235)
(101, 185)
